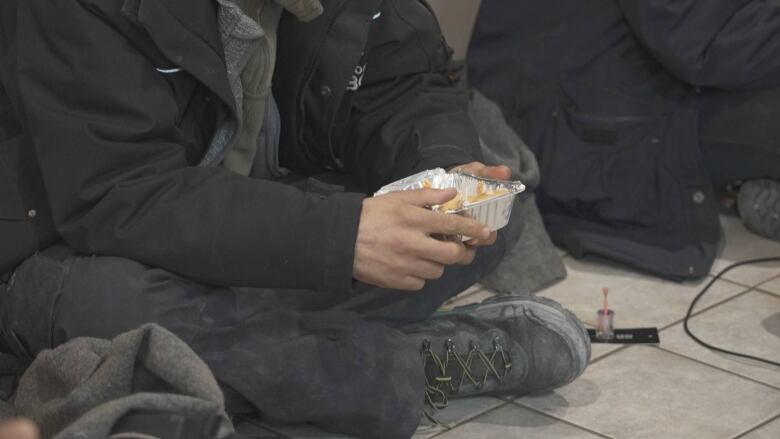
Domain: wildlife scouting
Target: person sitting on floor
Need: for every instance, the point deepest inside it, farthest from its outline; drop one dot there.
(636, 110)
(156, 164)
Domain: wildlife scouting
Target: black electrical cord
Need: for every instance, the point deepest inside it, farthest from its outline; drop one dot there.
(696, 299)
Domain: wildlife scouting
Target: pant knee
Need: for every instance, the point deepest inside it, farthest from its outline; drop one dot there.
(104, 296)
(27, 303)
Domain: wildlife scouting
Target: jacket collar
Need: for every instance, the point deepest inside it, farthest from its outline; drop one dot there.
(187, 34)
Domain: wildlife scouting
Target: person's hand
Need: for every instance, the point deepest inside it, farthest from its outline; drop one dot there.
(18, 429)
(492, 172)
(394, 247)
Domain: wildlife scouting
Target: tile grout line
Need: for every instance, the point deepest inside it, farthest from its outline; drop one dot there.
(771, 293)
(744, 284)
(478, 414)
(669, 325)
(774, 278)
(565, 421)
(746, 290)
(733, 282)
(706, 308)
(609, 354)
(736, 282)
(701, 311)
(676, 322)
(712, 366)
(756, 427)
(467, 420)
(593, 361)
(729, 263)
(762, 283)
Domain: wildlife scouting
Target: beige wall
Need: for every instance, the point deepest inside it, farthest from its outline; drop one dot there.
(457, 21)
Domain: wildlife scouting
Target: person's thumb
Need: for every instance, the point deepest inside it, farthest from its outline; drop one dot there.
(496, 172)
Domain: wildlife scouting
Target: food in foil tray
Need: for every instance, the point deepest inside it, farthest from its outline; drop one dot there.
(460, 201)
(488, 201)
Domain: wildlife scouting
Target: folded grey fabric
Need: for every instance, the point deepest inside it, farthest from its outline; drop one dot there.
(533, 263)
(82, 388)
(500, 143)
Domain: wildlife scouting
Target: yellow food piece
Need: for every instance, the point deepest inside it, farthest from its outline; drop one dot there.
(454, 204)
(480, 196)
(459, 202)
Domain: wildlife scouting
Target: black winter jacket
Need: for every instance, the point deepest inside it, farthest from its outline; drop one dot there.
(605, 92)
(100, 149)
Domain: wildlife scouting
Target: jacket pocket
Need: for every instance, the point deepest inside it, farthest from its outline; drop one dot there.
(601, 160)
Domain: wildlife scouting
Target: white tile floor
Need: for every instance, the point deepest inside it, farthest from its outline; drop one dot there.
(675, 390)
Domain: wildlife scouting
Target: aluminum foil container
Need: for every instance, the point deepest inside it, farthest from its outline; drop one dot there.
(493, 212)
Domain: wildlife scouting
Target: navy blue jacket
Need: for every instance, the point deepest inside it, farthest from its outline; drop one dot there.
(605, 93)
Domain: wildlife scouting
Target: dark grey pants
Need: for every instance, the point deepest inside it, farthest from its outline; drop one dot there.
(297, 356)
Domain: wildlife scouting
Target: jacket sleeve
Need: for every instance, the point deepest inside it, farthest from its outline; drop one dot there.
(728, 44)
(103, 124)
(407, 115)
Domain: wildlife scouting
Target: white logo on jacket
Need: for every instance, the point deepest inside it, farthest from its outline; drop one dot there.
(168, 71)
(357, 78)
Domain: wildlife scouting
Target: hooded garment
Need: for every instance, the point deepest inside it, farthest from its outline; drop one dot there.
(84, 387)
(248, 29)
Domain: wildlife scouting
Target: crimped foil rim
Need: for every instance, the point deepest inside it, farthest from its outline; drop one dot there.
(441, 179)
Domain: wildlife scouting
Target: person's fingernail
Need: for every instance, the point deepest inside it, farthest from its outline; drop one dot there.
(486, 232)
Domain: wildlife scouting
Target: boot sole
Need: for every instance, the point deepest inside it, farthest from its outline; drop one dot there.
(759, 207)
(555, 317)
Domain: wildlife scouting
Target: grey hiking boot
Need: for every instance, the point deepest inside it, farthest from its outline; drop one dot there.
(759, 207)
(508, 345)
